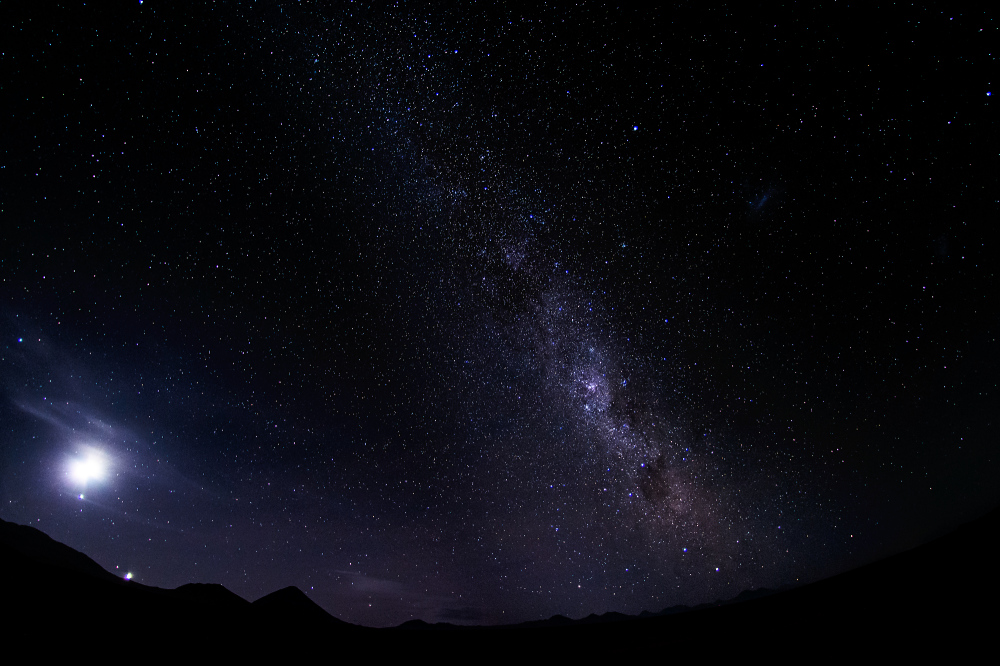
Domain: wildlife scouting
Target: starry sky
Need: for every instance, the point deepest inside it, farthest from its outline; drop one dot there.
(477, 314)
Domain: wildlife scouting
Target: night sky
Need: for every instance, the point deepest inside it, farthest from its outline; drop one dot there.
(479, 315)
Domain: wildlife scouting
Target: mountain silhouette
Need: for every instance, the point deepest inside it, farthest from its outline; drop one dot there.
(45, 551)
(939, 596)
(290, 606)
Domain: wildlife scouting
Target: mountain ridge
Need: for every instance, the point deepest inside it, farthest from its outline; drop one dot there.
(934, 590)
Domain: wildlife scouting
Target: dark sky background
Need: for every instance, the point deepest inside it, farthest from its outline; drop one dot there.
(459, 313)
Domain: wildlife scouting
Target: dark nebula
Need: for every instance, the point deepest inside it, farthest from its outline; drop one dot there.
(465, 314)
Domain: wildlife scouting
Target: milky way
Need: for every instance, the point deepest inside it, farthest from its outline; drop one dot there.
(476, 315)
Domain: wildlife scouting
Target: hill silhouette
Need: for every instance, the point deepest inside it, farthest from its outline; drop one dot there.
(941, 595)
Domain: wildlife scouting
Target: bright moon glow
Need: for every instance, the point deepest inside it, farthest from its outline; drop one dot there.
(91, 467)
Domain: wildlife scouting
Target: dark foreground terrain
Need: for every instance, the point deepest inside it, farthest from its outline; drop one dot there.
(939, 597)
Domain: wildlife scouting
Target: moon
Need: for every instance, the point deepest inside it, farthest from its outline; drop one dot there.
(91, 467)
